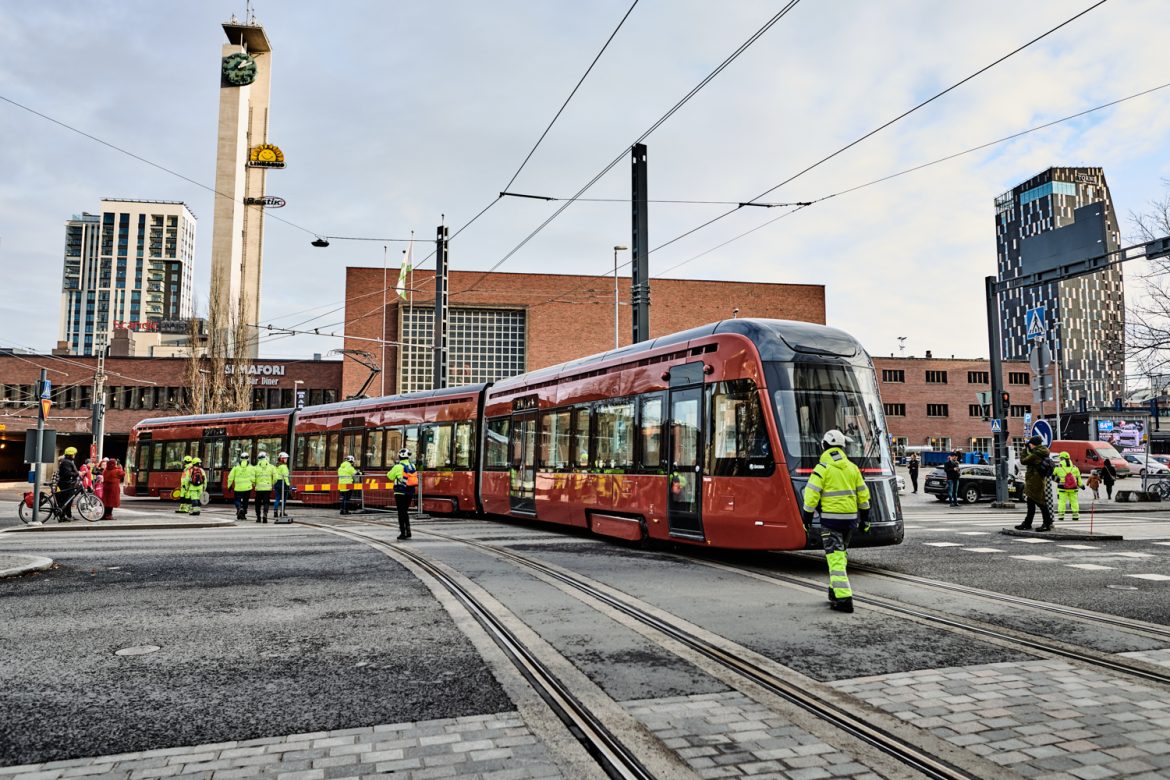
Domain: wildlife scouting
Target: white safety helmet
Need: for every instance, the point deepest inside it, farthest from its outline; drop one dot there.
(834, 438)
(282, 456)
(404, 454)
(349, 458)
(261, 455)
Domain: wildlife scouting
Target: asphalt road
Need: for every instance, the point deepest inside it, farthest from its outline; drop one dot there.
(261, 631)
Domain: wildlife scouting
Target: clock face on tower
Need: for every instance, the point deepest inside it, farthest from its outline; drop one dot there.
(238, 69)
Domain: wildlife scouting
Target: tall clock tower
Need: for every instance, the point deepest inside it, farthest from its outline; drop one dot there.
(243, 158)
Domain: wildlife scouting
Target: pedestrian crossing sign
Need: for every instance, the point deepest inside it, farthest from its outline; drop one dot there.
(1034, 322)
(996, 427)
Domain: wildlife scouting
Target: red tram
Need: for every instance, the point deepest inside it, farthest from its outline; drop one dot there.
(702, 437)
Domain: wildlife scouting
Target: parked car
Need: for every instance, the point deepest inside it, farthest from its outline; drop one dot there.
(1138, 463)
(901, 482)
(1163, 459)
(975, 483)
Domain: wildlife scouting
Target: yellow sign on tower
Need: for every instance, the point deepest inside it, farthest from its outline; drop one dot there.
(266, 156)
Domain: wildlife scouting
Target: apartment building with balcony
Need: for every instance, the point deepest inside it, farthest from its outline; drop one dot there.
(129, 266)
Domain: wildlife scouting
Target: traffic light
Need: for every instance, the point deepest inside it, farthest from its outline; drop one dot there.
(1005, 398)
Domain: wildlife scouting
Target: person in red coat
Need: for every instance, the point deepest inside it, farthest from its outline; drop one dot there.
(112, 487)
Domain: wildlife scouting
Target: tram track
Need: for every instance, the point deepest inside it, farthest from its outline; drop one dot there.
(892, 745)
(612, 755)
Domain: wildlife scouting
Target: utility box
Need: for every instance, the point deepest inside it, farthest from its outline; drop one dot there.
(48, 446)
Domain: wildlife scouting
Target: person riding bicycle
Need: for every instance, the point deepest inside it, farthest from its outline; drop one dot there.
(68, 482)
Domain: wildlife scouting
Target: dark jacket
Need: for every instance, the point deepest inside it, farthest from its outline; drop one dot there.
(913, 466)
(1034, 481)
(68, 476)
(1108, 472)
(952, 470)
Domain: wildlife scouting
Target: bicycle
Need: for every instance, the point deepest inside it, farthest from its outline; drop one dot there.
(85, 501)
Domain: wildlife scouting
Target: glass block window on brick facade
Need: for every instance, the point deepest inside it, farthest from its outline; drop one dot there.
(978, 377)
(893, 375)
(483, 345)
(936, 377)
(1018, 378)
(895, 410)
(974, 410)
(937, 410)
(1019, 411)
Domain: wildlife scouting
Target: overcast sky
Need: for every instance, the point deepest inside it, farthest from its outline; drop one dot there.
(391, 114)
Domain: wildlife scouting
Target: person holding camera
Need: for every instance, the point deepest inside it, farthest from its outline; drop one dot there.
(1039, 471)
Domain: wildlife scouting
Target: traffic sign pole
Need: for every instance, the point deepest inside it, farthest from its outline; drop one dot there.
(999, 440)
(36, 497)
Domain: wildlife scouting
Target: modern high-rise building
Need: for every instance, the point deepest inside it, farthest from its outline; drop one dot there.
(129, 266)
(243, 157)
(1055, 217)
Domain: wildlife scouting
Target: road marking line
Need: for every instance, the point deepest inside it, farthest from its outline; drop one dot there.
(942, 544)
(1079, 546)
(972, 533)
(1045, 558)
(1155, 577)
(1035, 541)
(1088, 567)
(1134, 555)
(983, 549)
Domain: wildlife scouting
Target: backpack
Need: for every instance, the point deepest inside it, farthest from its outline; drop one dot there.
(197, 476)
(1070, 482)
(1045, 467)
(410, 476)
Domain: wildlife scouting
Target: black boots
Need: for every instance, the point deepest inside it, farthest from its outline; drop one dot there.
(1024, 526)
(842, 605)
(1045, 527)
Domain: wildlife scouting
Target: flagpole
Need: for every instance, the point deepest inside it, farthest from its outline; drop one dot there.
(385, 281)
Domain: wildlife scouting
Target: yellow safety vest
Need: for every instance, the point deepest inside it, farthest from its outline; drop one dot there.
(836, 485)
(241, 477)
(345, 474)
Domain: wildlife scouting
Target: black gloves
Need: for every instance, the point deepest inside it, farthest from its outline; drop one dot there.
(864, 515)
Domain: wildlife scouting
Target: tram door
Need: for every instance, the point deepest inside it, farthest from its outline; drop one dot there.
(214, 452)
(685, 481)
(522, 466)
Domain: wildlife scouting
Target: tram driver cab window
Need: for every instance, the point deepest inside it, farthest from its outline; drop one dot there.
(738, 445)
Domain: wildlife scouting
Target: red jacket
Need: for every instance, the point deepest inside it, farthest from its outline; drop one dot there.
(112, 486)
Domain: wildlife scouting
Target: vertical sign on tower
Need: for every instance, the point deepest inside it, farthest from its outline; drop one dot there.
(439, 369)
(640, 245)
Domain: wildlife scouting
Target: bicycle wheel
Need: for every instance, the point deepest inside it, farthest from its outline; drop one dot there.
(89, 506)
(24, 512)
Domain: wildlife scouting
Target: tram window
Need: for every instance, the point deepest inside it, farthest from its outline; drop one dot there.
(331, 458)
(393, 445)
(438, 452)
(581, 420)
(315, 449)
(299, 453)
(272, 445)
(652, 432)
(554, 440)
(464, 445)
(738, 440)
(236, 447)
(373, 458)
(496, 454)
(173, 459)
(614, 434)
(351, 444)
(156, 458)
(143, 457)
(193, 448)
(412, 439)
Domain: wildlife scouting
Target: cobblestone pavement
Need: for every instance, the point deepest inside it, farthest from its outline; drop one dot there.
(496, 746)
(729, 735)
(1044, 719)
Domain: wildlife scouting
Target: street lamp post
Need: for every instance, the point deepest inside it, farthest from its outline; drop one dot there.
(616, 249)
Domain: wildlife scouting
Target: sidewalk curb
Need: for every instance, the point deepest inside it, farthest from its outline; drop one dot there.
(1079, 536)
(66, 527)
(34, 563)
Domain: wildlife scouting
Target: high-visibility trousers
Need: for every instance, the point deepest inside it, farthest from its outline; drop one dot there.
(835, 543)
(1066, 498)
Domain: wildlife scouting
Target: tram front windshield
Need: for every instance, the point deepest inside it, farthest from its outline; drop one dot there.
(814, 397)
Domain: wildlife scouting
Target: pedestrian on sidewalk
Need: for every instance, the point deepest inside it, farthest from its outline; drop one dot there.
(280, 487)
(912, 465)
(1094, 483)
(345, 474)
(404, 475)
(1068, 482)
(112, 488)
(951, 467)
(185, 487)
(99, 486)
(240, 480)
(265, 478)
(1039, 469)
(197, 484)
(1108, 476)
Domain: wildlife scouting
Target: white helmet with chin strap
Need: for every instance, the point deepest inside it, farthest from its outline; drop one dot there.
(834, 438)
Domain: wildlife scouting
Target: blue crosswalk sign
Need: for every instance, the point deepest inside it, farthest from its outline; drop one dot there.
(1034, 321)
(996, 427)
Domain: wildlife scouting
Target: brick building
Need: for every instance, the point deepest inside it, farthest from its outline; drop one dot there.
(503, 324)
(136, 388)
(931, 402)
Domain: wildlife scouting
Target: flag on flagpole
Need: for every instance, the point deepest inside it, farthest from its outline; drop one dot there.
(405, 270)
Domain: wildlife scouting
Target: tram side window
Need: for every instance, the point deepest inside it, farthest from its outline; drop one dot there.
(272, 445)
(464, 445)
(438, 446)
(156, 459)
(580, 448)
(173, 459)
(299, 454)
(193, 448)
(373, 454)
(143, 457)
(236, 447)
(351, 444)
(411, 434)
(393, 445)
(738, 435)
(332, 459)
(652, 432)
(496, 454)
(315, 451)
(554, 441)
(614, 435)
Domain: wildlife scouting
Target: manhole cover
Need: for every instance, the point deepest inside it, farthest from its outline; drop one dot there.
(1121, 587)
(139, 650)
